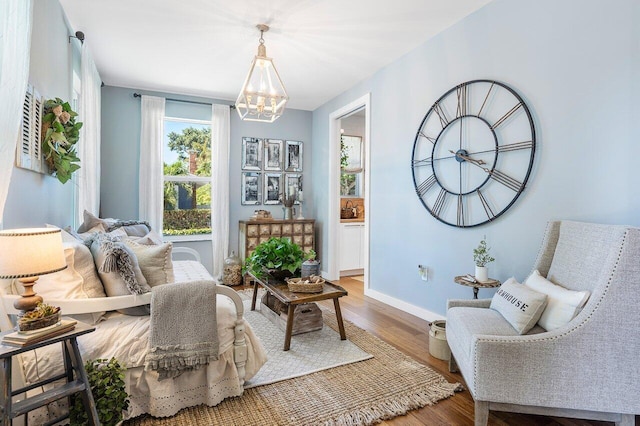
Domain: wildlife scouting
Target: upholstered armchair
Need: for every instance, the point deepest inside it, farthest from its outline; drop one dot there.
(588, 368)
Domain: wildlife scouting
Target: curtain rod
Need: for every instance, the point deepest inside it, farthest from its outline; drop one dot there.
(138, 95)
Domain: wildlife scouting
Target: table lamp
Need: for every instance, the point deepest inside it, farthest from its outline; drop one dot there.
(26, 254)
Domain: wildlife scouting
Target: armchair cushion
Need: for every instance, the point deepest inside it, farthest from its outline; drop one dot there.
(519, 305)
(562, 304)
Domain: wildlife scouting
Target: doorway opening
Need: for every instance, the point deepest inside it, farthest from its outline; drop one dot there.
(349, 174)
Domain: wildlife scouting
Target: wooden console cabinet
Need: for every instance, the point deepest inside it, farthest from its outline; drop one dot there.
(254, 232)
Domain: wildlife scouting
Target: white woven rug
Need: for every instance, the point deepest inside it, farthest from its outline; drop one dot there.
(310, 352)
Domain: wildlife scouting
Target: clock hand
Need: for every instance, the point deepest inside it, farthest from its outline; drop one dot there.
(469, 159)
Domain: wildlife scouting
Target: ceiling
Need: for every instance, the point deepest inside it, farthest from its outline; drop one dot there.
(205, 47)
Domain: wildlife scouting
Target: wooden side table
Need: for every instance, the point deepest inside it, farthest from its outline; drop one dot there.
(463, 280)
(72, 364)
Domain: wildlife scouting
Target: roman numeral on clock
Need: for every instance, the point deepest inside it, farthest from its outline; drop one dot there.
(440, 202)
(429, 138)
(506, 180)
(460, 219)
(426, 185)
(422, 163)
(506, 116)
(461, 93)
(442, 115)
(515, 146)
(485, 205)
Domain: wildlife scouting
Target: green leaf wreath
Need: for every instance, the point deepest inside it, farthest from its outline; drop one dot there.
(61, 133)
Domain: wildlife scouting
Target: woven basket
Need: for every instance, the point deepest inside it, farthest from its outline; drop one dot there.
(312, 284)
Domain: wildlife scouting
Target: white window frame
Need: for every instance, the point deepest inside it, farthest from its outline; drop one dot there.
(195, 179)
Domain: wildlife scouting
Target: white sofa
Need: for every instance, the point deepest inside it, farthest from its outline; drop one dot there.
(126, 337)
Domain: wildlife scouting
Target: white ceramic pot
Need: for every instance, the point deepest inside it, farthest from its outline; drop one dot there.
(482, 273)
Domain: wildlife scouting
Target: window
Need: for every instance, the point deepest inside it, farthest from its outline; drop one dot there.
(351, 167)
(187, 177)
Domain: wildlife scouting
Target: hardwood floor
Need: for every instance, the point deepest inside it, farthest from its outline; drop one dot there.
(410, 335)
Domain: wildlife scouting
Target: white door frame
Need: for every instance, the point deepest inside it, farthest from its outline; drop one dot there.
(333, 213)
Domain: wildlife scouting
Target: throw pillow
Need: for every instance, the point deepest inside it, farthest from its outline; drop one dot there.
(562, 304)
(91, 221)
(519, 305)
(152, 238)
(155, 262)
(119, 270)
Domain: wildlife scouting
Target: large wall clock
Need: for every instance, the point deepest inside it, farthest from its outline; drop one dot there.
(473, 153)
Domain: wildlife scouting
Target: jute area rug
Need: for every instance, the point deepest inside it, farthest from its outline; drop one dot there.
(362, 393)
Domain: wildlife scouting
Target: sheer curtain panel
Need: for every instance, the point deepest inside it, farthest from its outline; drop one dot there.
(15, 45)
(151, 171)
(89, 144)
(220, 186)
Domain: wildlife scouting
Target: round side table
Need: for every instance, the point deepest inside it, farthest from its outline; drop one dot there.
(466, 281)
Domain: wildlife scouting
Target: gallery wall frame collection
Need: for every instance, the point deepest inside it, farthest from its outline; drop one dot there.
(270, 168)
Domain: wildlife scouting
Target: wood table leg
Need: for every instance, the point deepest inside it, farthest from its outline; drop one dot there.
(287, 334)
(5, 394)
(87, 397)
(255, 295)
(336, 305)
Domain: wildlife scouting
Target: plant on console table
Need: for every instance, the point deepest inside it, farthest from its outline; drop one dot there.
(61, 133)
(481, 257)
(278, 258)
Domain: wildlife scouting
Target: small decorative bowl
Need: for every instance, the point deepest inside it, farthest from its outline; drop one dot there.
(39, 323)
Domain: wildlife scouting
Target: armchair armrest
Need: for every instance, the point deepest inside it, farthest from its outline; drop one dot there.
(468, 303)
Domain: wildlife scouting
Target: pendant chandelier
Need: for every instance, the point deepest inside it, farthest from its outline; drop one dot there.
(263, 95)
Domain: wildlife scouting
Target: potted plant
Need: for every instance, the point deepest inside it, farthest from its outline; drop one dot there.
(311, 266)
(61, 133)
(481, 257)
(106, 378)
(277, 257)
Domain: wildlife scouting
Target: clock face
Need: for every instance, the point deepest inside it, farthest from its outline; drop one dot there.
(473, 153)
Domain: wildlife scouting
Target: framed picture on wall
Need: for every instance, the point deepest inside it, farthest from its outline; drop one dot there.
(293, 156)
(251, 154)
(273, 154)
(293, 185)
(272, 188)
(251, 188)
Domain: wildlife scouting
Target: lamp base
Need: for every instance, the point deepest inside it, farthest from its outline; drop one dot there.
(29, 300)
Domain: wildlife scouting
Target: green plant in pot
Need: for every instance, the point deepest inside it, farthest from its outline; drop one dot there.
(61, 133)
(106, 378)
(278, 258)
(481, 257)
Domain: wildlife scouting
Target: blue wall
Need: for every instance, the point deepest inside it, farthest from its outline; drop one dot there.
(35, 199)
(121, 153)
(576, 64)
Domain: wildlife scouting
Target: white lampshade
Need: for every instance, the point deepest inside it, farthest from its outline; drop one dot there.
(263, 96)
(31, 252)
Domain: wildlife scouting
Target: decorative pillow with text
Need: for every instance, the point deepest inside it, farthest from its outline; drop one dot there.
(519, 305)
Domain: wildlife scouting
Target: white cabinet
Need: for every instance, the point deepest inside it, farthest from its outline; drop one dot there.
(351, 246)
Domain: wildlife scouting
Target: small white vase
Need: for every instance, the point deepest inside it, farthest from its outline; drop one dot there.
(482, 274)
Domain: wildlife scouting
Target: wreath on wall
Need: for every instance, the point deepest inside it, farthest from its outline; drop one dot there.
(61, 133)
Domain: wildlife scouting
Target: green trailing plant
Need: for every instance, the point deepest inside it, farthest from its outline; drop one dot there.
(106, 378)
(61, 133)
(275, 253)
(481, 253)
(311, 254)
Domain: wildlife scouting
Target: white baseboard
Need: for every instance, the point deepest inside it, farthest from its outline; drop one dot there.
(403, 306)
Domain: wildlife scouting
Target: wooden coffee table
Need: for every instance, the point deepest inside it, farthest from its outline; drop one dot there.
(280, 290)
